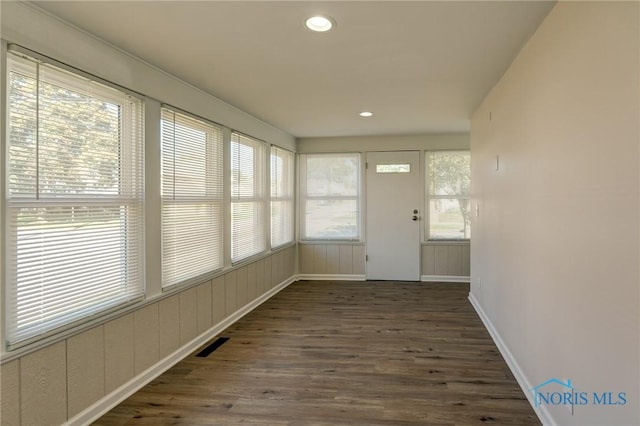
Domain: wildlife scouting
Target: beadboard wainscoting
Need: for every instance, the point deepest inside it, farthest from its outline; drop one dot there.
(446, 261)
(331, 261)
(441, 261)
(77, 379)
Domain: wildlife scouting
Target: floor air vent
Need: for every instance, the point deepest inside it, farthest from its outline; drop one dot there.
(212, 347)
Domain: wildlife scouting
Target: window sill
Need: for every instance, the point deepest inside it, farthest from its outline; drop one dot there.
(447, 242)
(332, 242)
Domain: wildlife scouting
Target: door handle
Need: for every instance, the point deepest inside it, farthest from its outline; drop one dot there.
(414, 218)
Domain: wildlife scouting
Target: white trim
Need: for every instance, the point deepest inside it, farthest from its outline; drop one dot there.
(96, 410)
(331, 277)
(303, 197)
(445, 279)
(332, 242)
(443, 242)
(542, 412)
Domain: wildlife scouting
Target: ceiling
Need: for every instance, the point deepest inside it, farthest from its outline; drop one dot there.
(420, 66)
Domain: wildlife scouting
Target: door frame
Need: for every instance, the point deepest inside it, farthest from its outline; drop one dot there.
(420, 204)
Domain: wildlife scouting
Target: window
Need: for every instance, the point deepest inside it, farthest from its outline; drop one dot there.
(330, 184)
(393, 168)
(282, 163)
(248, 197)
(74, 198)
(448, 194)
(192, 198)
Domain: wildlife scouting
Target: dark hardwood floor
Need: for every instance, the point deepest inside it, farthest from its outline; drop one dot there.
(342, 353)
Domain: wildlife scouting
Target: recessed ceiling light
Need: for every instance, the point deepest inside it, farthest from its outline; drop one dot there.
(366, 114)
(320, 23)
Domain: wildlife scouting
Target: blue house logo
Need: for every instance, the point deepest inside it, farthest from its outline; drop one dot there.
(547, 397)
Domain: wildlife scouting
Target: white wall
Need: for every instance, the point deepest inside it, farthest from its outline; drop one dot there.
(555, 250)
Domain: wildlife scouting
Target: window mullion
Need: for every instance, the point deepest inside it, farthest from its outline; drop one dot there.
(37, 159)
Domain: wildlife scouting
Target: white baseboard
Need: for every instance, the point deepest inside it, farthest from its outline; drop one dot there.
(101, 407)
(331, 277)
(542, 412)
(445, 279)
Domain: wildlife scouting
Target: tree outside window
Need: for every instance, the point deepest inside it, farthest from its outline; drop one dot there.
(448, 195)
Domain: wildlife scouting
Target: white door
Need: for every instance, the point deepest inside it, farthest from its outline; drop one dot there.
(393, 215)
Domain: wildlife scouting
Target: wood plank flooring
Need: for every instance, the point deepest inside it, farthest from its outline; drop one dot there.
(342, 353)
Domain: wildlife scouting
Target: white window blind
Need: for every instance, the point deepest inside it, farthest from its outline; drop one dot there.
(282, 175)
(448, 195)
(192, 198)
(330, 188)
(74, 199)
(247, 197)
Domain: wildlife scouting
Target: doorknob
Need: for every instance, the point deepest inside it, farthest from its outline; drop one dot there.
(414, 218)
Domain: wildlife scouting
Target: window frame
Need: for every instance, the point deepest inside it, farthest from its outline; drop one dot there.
(429, 197)
(287, 196)
(213, 197)
(305, 197)
(258, 196)
(129, 200)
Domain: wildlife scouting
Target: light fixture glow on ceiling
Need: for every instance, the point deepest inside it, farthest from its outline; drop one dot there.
(320, 23)
(366, 114)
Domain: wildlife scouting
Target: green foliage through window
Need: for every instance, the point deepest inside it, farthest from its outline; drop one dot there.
(449, 194)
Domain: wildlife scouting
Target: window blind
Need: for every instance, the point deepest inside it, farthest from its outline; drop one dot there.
(282, 175)
(192, 197)
(74, 198)
(330, 187)
(248, 197)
